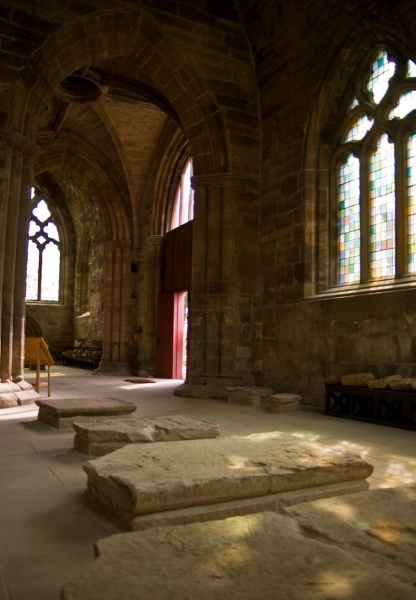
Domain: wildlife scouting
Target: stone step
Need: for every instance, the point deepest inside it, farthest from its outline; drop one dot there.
(143, 479)
(284, 402)
(61, 414)
(99, 437)
(249, 395)
(356, 547)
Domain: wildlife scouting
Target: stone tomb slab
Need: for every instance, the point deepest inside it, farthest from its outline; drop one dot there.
(61, 414)
(99, 437)
(357, 547)
(212, 478)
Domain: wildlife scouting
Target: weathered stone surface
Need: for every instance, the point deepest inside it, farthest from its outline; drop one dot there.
(262, 556)
(249, 395)
(376, 527)
(404, 384)
(7, 400)
(25, 385)
(97, 438)
(9, 386)
(144, 479)
(27, 396)
(388, 382)
(357, 379)
(284, 402)
(62, 413)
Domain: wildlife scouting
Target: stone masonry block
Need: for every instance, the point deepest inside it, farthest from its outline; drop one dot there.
(285, 402)
(249, 395)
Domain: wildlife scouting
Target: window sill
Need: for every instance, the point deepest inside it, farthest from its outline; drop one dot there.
(376, 287)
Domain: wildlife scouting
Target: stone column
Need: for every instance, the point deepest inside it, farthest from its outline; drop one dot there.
(224, 286)
(117, 336)
(148, 289)
(16, 177)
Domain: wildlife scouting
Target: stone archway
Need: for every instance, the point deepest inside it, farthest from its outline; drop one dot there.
(226, 171)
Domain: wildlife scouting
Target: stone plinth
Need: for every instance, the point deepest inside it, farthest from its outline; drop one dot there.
(249, 395)
(61, 414)
(283, 403)
(141, 479)
(97, 438)
(17, 394)
(356, 547)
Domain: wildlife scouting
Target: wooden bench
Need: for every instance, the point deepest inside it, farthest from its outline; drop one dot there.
(381, 406)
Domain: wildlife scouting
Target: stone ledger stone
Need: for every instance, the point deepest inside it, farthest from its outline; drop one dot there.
(61, 414)
(99, 437)
(141, 479)
(356, 547)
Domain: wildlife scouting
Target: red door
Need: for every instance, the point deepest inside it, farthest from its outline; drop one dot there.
(170, 335)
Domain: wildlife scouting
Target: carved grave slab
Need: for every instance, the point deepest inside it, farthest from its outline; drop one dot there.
(99, 437)
(61, 414)
(356, 547)
(204, 479)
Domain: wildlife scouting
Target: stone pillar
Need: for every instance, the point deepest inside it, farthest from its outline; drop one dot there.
(150, 278)
(224, 286)
(16, 177)
(117, 336)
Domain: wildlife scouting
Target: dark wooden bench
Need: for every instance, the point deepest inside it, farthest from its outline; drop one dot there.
(384, 407)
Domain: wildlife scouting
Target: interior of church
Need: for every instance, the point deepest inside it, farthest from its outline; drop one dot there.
(218, 194)
(296, 266)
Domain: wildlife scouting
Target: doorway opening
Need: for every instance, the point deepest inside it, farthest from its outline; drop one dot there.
(171, 335)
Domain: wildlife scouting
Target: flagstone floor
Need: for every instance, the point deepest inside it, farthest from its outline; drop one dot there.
(47, 534)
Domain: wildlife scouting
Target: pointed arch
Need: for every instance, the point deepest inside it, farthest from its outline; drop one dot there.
(134, 35)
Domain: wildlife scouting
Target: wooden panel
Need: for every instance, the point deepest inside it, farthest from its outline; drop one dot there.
(177, 268)
(37, 353)
(169, 335)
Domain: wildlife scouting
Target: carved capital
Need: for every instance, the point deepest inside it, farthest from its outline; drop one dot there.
(18, 143)
(154, 240)
(218, 180)
(113, 244)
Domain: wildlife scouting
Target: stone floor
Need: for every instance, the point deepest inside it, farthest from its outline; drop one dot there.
(46, 532)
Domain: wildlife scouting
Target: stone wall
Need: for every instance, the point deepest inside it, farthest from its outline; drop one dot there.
(308, 343)
(56, 324)
(303, 64)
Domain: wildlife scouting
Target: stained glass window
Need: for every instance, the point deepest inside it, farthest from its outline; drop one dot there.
(43, 261)
(359, 129)
(349, 220)
(411, 202)
(382, 210)
(376, 175)
(405, 104)
(382, 71)
(411, 69)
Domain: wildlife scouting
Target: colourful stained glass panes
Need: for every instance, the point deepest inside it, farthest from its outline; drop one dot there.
(359, 129)
(349, 220)
(405, 105)
(354, 103)
(411, 68)
(411, 203)
(382, 71)
(382, 210)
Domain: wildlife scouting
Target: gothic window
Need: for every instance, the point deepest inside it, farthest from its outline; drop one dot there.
(183, 207)
(43, 260)
(374, 176)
